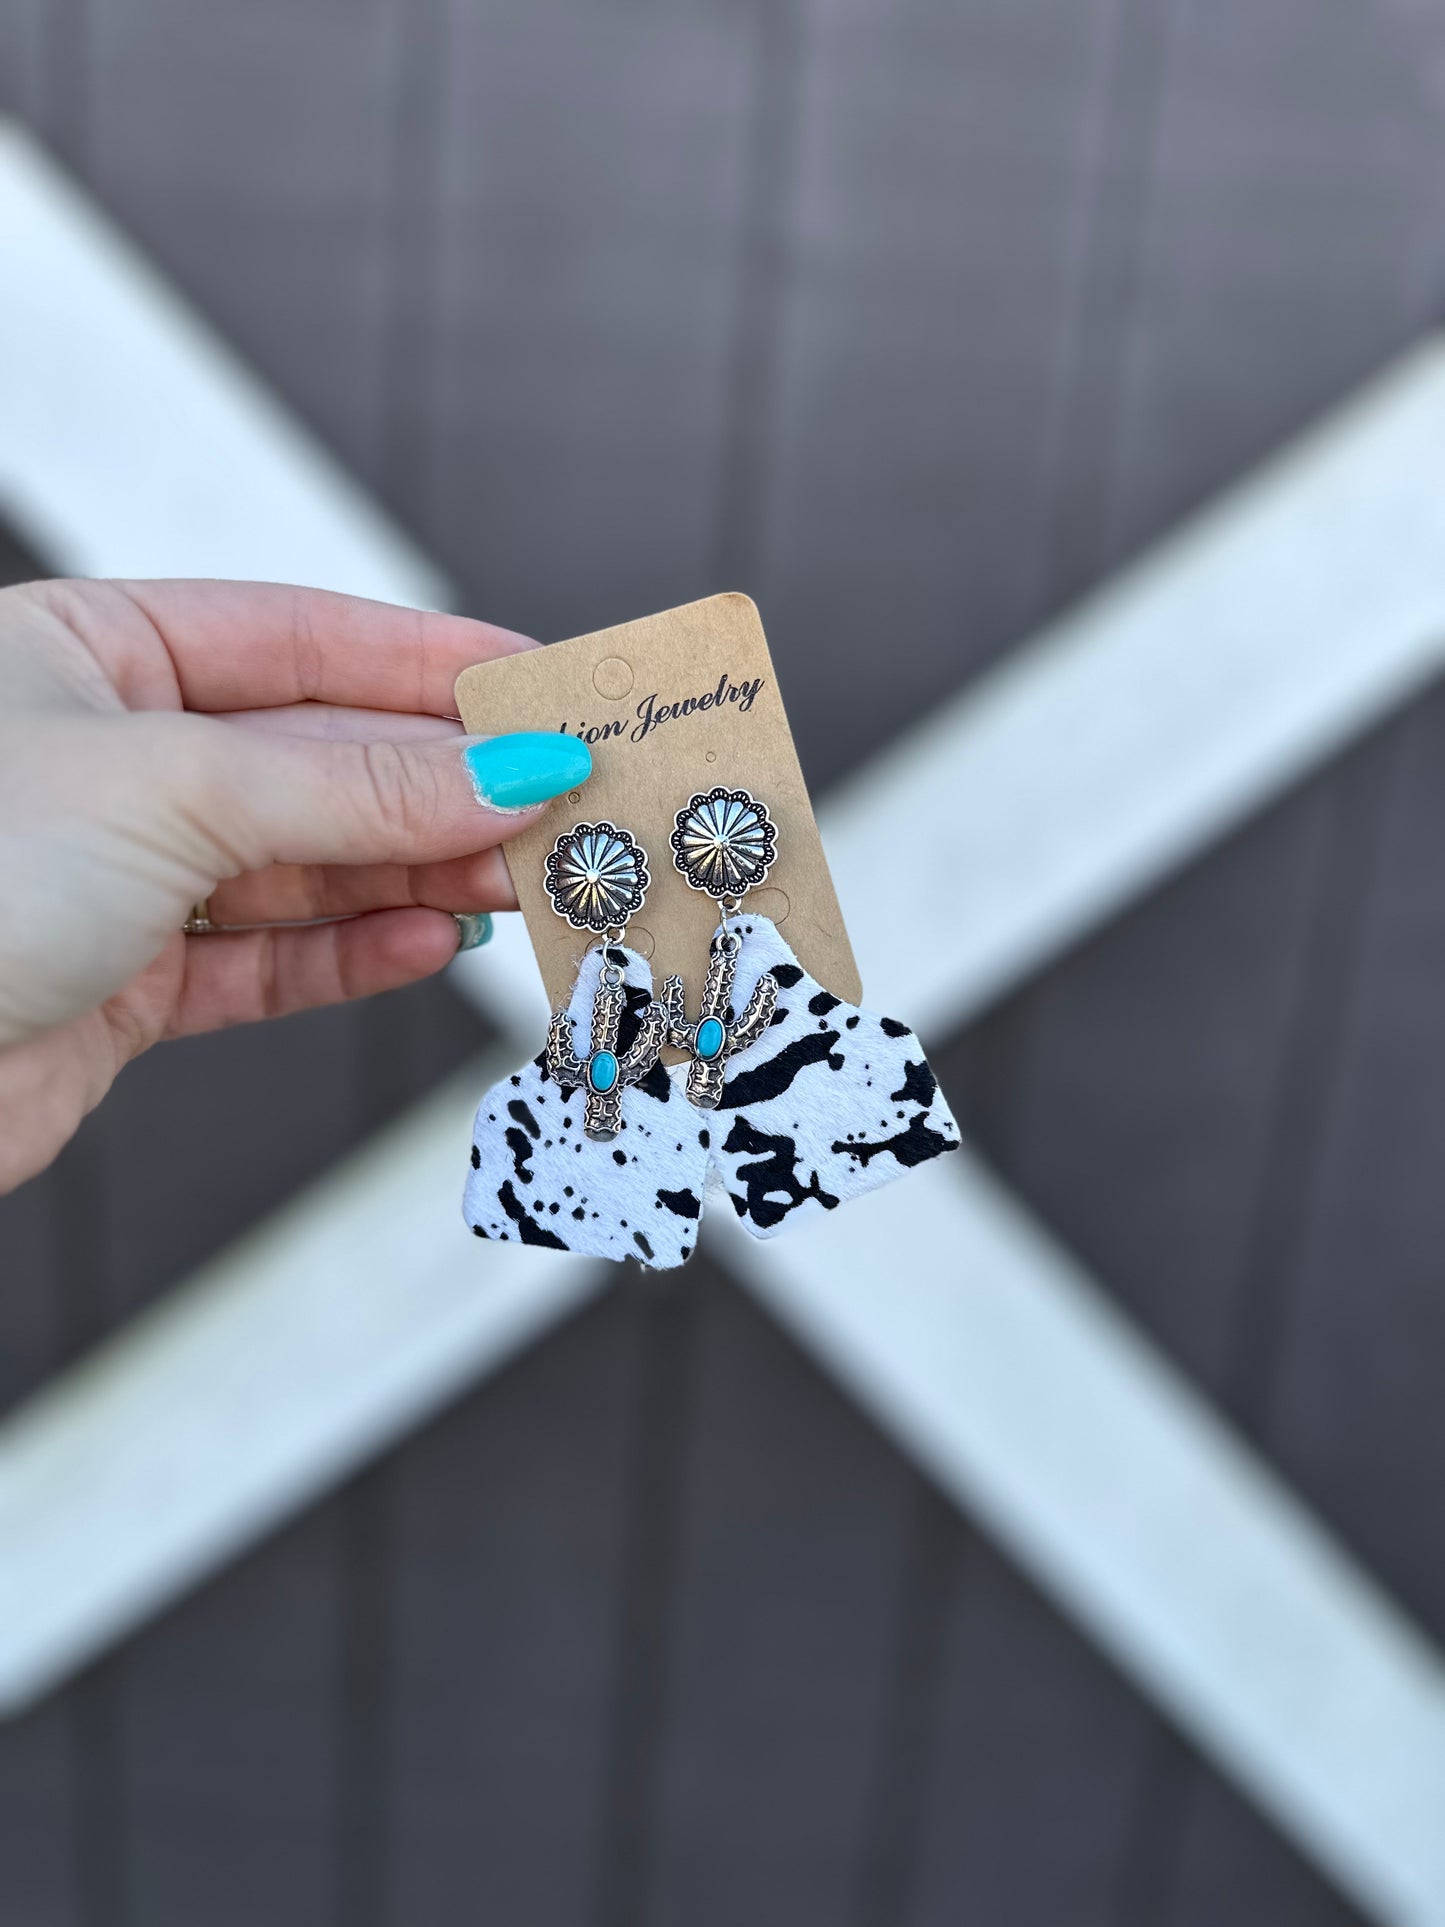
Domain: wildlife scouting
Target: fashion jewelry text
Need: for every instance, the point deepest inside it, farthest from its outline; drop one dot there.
(651, 714)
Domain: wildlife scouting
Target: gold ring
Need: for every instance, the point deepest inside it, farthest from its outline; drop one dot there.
(198, 923)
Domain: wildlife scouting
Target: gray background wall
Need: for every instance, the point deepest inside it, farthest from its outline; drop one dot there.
(913, 317)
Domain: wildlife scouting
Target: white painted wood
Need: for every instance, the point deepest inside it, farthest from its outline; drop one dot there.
(1241, 653)
(342, 1323)
(988, 1356)
(134, 442)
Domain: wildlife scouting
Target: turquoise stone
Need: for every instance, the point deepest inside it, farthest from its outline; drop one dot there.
(602, 1070)
(710, 1038)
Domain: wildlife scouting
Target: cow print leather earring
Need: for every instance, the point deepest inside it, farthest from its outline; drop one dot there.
(830, 1102)
(798, 1104)
(820, 1100)
(593, 1150)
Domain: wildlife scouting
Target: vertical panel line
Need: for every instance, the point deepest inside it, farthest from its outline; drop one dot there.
(668, 1318)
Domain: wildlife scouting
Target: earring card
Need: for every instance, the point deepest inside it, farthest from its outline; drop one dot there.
(669, 705)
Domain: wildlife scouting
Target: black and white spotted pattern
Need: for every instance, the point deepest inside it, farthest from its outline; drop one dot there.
(830, 1102)
(537, 1179)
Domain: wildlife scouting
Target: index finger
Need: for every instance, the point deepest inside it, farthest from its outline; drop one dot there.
(255, 645)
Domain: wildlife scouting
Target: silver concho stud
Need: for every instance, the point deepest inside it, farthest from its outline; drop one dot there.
(724, 843)
(596, 876)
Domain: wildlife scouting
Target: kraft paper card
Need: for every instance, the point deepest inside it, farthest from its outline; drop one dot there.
(669, 705)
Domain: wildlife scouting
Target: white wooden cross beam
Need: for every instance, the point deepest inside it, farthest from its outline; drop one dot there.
(1238, 656)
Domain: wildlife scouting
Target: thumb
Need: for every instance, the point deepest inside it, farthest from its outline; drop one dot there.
(290, 800)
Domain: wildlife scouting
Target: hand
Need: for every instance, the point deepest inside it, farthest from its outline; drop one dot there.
(281, 752)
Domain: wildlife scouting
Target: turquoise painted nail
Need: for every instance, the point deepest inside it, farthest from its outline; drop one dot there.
(513, 772)
(474, 931)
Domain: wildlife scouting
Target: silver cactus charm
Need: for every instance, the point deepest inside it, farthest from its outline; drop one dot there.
(712, 1040)
(724, 843)
(604, 1073)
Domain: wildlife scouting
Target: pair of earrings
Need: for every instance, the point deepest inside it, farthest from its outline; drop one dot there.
(793, 1106)
(597, 877)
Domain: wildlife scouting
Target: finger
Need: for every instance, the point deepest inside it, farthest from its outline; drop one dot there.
(248, 645)
(338, 723)
(262, 799)
(51, 1082)
(243, 978)
(299, 893)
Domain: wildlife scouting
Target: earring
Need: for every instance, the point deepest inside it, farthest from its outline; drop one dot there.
(620, 1174)
(724, 843)
(837, 1100)
(834, 1101)
(597, 878)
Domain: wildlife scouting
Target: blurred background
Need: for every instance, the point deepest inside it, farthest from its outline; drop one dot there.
(916, 319)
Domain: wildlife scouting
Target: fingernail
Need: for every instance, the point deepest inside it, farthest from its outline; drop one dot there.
(513, 772)
(473, 932)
